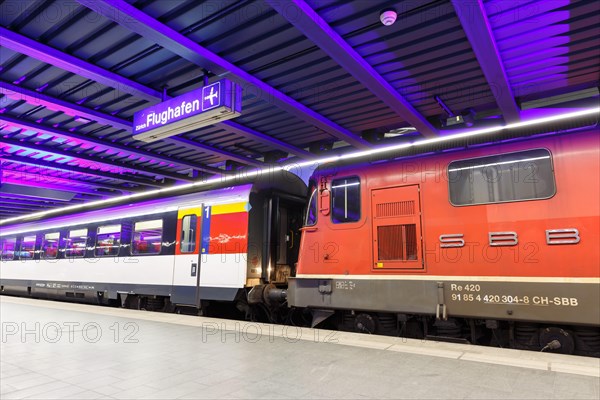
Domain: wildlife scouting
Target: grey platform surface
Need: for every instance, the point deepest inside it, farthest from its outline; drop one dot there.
(57, 350)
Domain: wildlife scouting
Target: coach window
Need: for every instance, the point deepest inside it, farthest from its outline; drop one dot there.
(50, 245)
(524, 175)
(311, 212)
(147, 237)
(188, 234)
(75, 243)
(108, 240)
(27, 247)
(345, 200)
(8, 248)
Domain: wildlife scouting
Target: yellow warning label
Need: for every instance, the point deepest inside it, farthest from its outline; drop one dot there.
(229, 208)
(189, 211)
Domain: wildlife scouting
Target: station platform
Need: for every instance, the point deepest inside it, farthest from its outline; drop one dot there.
(56, 350)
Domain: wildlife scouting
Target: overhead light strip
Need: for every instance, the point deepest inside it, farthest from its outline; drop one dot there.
(355, 155)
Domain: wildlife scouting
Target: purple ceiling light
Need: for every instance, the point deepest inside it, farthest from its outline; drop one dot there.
(474, 21)
(157, 32)
(20, 80)
(314, 27)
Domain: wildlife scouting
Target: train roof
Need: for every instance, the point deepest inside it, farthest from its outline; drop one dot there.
(457, 144)
(215, 192)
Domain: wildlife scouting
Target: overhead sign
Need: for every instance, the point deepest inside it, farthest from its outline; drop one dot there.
(207, 105)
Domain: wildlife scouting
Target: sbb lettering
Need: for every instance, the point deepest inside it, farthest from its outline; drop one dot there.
(557, 301)
(553, 237)
(565, 301)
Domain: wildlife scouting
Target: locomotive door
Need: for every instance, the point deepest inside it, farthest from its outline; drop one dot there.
(397, 240)
(186, 272)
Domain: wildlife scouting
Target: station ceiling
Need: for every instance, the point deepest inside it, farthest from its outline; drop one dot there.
(318, 76)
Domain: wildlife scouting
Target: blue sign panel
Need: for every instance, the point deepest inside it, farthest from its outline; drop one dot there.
(207, 99)
(205, 239)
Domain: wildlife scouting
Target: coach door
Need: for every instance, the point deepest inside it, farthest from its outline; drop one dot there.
(186, 274)
(397, 238)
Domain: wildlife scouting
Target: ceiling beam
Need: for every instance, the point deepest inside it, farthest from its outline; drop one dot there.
(44, 190)
(100, 161)
(227, 154)
(141, 23)
(18, 207)
(475, 23)
(40, 163)
(36, 177)
(25, 45)
(260, 137)
(29, 47)
(314, 27)
(29, 203)
(36, 98)
(94, 141)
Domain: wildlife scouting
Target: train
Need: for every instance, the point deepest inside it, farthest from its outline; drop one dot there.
(494, 244)
(180, 253)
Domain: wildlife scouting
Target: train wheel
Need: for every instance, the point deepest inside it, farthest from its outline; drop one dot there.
(557, 340)
(365, 323)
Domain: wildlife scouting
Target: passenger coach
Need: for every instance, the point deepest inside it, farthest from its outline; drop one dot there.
(182, 251)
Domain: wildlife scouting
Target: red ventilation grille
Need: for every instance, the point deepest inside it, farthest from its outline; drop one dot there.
(397, 242)
(395, 209)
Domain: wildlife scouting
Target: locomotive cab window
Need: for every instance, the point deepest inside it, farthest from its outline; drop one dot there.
(108, 240)
(75, 243)
(8, 248)
(345, 200)
(311, 212)
(50, 245)
(524, 175)
(147, 237)
(27, 247)
(188, 233)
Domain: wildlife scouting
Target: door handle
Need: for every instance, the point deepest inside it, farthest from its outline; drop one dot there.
(194, 269)
(308, 229)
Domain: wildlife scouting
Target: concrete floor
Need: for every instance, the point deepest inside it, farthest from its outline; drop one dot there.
(52, 350)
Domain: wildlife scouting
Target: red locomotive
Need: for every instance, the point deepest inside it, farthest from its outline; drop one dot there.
(496, 244)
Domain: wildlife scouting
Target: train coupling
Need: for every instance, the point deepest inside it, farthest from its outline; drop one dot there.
(267, 294)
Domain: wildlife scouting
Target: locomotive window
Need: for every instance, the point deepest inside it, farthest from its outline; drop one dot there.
(311, 212)
(108, 240)
(8, 248)
(525, 175)
(345, 200)
(147, 237)
(50, 245)
(76, 243)
(27, 248)
(188, 234)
